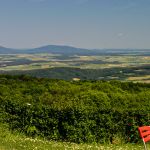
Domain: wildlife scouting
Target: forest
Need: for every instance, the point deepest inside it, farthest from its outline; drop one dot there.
(75, 111)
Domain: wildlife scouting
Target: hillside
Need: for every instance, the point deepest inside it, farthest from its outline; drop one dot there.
(4, 50)
(74, 111)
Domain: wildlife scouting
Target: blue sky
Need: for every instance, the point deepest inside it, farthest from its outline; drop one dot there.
(80, 23)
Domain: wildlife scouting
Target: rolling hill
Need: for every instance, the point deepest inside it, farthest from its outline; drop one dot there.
(54, 49)
(69, 50)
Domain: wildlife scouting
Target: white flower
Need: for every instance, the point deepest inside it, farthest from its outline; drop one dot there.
(28, 104)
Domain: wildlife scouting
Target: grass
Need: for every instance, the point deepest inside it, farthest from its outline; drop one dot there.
(17, 141)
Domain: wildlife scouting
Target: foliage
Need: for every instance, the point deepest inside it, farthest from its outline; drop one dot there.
(67, 73)
(14, 140)
(75, 111)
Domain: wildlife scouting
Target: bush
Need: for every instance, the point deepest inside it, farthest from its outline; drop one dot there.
(85, 111)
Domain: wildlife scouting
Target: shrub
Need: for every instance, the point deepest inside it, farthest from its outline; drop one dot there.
(84, 111)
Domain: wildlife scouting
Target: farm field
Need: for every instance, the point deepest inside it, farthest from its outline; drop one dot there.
(121, 67)
(39, 61)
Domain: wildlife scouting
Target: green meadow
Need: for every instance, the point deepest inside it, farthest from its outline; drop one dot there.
(16, 141)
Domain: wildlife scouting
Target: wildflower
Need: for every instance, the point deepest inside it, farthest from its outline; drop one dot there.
(28, 104)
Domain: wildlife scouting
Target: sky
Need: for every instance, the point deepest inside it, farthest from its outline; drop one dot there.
(79, 23)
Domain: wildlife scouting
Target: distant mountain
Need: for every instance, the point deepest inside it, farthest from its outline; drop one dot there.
(4, 50)
(68, 50)
(55, 49)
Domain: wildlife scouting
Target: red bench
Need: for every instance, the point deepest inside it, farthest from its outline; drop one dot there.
(145, 134)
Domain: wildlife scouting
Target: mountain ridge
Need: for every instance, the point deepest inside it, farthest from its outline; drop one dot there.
(70, 50)
(56, 49)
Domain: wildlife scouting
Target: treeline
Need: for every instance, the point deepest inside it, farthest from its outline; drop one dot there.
(67, 73)
(76, 111)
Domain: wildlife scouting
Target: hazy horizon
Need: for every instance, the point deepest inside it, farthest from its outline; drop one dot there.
(91, 24)
(22, 48)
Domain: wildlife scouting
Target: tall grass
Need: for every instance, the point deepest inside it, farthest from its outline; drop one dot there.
(17, 141)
